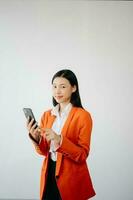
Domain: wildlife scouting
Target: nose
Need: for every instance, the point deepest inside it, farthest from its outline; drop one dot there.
(58, 91)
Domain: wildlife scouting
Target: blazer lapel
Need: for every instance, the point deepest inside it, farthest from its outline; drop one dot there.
(64, 132)
(69, 118)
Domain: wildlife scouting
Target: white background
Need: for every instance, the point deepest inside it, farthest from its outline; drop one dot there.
(93, 39)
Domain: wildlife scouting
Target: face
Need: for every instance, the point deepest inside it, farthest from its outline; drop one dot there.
(62, 90)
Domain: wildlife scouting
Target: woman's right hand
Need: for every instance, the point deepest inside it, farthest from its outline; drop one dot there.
(33, 130)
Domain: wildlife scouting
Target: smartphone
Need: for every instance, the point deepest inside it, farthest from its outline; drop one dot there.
(28, 113)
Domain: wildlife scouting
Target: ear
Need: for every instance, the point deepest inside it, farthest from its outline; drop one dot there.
(74, 88)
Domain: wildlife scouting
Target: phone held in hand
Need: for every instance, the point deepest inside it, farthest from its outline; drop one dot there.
(29, 115)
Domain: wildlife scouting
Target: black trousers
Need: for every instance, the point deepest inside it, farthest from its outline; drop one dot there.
(51, 191)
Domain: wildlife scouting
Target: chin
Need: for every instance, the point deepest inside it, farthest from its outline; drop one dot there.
(60, 101)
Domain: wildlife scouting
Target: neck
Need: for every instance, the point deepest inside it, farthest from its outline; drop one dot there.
(62, 106)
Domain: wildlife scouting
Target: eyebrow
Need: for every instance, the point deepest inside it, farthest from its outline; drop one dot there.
(60, 84)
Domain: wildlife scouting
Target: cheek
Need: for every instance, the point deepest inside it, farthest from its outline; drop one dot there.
(68, 93)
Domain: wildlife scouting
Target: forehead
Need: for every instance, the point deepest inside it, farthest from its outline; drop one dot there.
(60, 80)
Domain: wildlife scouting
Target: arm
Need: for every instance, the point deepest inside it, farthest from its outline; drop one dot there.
(79, 150)
(42, 148)
(39, 142)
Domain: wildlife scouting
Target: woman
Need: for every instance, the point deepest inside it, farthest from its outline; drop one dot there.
(63, 138)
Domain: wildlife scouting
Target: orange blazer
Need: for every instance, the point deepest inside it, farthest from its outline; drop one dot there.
(72, 174)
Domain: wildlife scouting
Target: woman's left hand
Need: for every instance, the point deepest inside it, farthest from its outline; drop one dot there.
(49, 134)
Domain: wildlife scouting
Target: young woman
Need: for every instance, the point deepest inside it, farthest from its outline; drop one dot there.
(63, 138)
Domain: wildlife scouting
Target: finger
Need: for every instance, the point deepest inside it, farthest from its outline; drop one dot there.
(49, 136)
(34, 127)
(41, 130)
(47, 133)
(31, 121)
(37, 129)
(29, 126)
(47, 129)
(35, 133)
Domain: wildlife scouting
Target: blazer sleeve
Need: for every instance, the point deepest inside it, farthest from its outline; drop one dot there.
(78, 151)
(43, 147)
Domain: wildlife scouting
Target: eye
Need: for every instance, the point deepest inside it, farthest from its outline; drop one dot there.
(54, 86)
(63, 86)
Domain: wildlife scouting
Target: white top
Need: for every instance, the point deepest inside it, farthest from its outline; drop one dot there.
(58, 125)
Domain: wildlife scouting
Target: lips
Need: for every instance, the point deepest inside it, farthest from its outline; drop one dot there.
(59, 97)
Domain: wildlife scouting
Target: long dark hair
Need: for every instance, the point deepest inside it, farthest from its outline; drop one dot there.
(71, 77)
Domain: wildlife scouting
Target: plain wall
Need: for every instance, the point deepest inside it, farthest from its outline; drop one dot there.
(93, 39)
